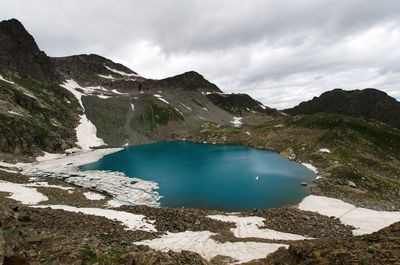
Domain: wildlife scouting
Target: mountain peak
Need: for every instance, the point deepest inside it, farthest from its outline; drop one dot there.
(21, 57)
(369, 103)
(12, 23)
(192, 80)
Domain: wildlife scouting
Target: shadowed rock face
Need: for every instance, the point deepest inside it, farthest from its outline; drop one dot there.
(368, 103)
(21, 57)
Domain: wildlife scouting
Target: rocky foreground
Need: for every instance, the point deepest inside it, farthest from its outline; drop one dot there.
(32, 235)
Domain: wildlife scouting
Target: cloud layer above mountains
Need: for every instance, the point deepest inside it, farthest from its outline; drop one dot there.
(280, 52)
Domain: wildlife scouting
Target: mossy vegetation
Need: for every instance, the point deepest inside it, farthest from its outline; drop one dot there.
(109, 116)
(91, 257)
(154, 115)
(47, 116)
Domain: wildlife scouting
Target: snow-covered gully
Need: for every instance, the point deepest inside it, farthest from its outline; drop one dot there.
(86, 132)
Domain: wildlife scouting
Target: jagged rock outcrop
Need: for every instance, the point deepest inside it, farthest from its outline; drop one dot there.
(368, 103)
(21, 57)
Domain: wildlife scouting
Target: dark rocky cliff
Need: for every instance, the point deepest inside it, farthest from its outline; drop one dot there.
(21, 57)
(368, 103)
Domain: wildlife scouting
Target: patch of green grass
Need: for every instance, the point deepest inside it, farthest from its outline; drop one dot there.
(155, 115)
(91, 257)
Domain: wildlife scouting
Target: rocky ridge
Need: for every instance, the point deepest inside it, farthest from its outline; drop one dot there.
(370, 104)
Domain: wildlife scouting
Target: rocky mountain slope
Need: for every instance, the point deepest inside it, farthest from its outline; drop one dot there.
(20, 57)
(369, 103)
(54, 104)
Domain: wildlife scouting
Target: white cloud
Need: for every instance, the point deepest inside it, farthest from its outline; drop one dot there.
(279, 52)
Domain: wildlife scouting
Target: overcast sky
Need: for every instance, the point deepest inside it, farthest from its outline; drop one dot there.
(280, 52)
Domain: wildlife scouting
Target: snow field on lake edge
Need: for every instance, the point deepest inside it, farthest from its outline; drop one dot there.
(124, 190)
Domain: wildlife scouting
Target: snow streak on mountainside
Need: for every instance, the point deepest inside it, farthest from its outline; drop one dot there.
(86, 131)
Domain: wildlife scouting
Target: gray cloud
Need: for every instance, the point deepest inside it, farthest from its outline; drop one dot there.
(280, 52)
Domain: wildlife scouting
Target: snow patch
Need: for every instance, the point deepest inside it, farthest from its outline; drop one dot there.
(43, 184)
(113, 203)
(120, 72)
(107, 77)
(237, 121)
(93, 196)
(249, 226)
(189, 108)
(21, 193)
(131, 221)
(160, 98)
(128, 191)
(364, 220)
(180, 112)
(103, 96)
(86, 131)
(48, 156)
(324, 150)
(310, 167)
(86, 134)
(201, 243)
(117, 92)
(15, 113)
(30, 95)
(9, 170)
(5, 80)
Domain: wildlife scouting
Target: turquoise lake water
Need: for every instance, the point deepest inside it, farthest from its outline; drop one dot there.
(221, 177)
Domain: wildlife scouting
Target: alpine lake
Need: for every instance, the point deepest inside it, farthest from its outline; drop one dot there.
(207, 176)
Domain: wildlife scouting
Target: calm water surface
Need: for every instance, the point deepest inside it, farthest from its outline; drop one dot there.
(223, 177)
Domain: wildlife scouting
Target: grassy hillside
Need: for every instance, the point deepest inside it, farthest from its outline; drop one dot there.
(36, 117)
(362, 167)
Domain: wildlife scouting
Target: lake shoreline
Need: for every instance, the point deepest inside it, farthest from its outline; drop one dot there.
(305, 219)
